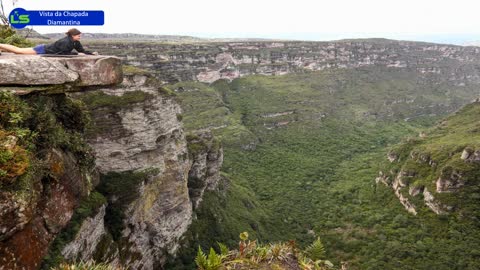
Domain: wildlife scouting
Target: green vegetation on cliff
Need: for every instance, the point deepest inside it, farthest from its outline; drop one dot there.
(121, 188)
(42, 148)
(87, 208)
(313, 146)
(33, 124)
(14, 154)
(444, 162)
(9, 36)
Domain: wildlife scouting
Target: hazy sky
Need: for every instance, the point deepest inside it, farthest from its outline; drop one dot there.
(432, 20)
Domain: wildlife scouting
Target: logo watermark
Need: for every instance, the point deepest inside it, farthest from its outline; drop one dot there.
(20, 18)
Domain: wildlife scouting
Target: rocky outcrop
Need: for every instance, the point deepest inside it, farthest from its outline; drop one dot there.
(471, 155)
(405, 191)
(399, 185)
(433, 204)
(207, 156)
(449, 182)
(440, 171)
(140, 151)
(66, 70)
(144, 134)
(37, 205)
(85, 243)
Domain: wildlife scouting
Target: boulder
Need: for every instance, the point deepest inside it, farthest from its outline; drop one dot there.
(470, 155)
(74, 70)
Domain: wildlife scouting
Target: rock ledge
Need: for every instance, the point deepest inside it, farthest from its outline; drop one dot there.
(74, 70)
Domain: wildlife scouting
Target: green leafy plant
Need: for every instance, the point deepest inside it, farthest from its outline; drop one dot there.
(211, 262)
(316, 250)
(9, 36)
(251, 255)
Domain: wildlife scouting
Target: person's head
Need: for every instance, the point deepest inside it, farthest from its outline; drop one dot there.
(74, 33)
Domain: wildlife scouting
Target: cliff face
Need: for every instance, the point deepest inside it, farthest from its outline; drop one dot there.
(141, 166)
(31, 218)
(141, 152)
(228, 60)
(136, 130)
(207, 155)
(440, 169)
(46, 167)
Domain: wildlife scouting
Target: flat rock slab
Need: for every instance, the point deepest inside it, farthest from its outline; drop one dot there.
(79, 70)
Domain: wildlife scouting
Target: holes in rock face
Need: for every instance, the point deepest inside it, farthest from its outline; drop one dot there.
(161, 139)
(182, 157)
(116, 154)
(176, 134)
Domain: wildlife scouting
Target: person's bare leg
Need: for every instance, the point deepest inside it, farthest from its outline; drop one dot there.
(17, 50)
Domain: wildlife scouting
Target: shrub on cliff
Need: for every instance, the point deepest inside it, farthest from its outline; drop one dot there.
(14, 159)
(14, 140)
(9, 36)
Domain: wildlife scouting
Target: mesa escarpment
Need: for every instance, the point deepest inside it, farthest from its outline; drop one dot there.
(109, 172)
(208, 62)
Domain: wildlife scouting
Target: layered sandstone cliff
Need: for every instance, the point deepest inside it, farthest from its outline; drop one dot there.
(207, 62)
(141, 168)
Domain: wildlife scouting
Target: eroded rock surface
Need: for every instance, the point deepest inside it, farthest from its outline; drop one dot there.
(137, 130)
(72, 70)
(207, 157)
(31, 220)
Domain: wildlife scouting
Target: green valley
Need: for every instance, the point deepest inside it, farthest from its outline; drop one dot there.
(302, 152)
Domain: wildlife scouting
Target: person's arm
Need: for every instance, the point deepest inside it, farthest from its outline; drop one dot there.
(79, 48)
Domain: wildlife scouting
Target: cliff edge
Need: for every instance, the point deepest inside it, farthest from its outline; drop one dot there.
(94, 164)
(59, 70)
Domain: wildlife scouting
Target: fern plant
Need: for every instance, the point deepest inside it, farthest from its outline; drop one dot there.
(213, 261)
(316, 251)
(253, 255)
(223, 249)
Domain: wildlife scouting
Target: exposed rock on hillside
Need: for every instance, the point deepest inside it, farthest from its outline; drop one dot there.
(471, 155)
(207, 156)
(441, 170)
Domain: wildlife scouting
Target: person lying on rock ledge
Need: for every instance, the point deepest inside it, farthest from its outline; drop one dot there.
(62, 46)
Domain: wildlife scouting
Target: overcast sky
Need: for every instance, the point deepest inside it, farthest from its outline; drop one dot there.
(429, 20)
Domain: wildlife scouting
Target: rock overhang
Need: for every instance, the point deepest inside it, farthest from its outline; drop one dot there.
(88, 70)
